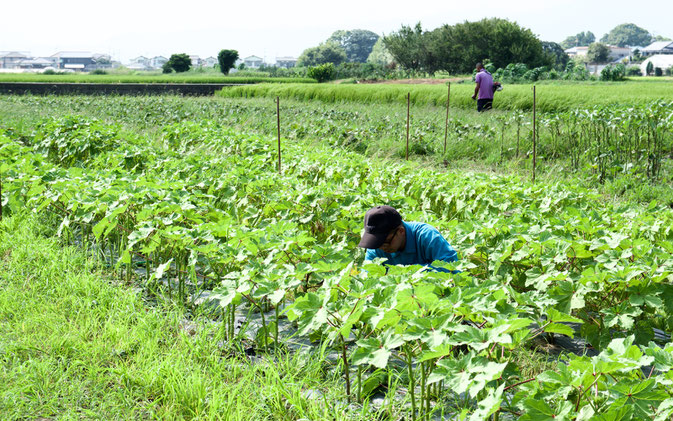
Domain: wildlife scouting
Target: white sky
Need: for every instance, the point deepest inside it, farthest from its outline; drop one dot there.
(270, 28)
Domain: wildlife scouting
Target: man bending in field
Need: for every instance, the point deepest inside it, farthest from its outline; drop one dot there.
(484, 89)
(403, 243)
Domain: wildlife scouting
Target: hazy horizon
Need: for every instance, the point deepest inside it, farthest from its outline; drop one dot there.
(273, 29)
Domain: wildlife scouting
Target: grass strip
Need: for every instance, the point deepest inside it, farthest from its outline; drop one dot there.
(74, 344)
(551, 96)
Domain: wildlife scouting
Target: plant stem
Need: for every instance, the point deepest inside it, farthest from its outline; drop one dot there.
(346, 368)
(411, 383)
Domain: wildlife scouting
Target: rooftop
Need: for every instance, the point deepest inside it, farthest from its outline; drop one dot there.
(659, 45)
(73, 54)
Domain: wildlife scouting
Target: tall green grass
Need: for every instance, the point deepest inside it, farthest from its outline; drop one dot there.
(169, 78)
(551, 97)
(76, 343)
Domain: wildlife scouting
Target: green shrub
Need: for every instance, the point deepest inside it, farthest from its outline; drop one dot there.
(658, 71)
(322, 73)
(51, 72)
(98, 72)
(633, 71)
(613, 73)
(519, 73)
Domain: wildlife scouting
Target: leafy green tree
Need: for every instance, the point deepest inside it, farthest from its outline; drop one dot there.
(555, 55)
(661, 38)
(380, 54)
(227, 60)
(598, 53)
(649, 68)
(166, 68)
(328, 52)
(179, 62)
(636, 56)
(579, 40)
(627, 34)
(407, 46)
(357, 43)
(458, 48)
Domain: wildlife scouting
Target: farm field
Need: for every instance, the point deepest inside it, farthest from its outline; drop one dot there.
(159, 78)
(623, 151)
(181, 199)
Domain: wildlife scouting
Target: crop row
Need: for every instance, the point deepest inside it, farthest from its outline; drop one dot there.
(600, 143)
(208, 210)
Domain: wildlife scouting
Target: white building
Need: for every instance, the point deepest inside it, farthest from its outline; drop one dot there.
(286, 62)
(11, 59)
(74, 60)
(616, 53)
(157, 62)
(209, 62)
(38, 63)
(619, 53)
(659, 47)
(196, 60)
(253, 62)
(662, 61)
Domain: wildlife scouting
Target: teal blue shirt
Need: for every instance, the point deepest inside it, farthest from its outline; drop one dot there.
(424, 245)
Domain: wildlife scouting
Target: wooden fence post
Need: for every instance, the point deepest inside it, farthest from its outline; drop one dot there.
(446, 125)
(278, 130)
(534, 134)
(408, 106)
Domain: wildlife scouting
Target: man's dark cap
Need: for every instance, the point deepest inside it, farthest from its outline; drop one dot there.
(379, 222)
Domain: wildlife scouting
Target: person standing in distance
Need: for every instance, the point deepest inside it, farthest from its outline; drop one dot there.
(403, 243)
(484, 89)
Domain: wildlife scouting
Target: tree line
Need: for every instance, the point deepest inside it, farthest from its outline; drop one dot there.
(457, 48)
(624, 35)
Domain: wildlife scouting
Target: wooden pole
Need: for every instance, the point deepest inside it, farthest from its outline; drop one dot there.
(534, 135)
(278, 130)
(446, 125)
(408, 106)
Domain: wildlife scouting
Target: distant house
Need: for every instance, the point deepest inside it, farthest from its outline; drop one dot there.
(286, 62)
(619, 53)
(196, 60)
(157, 62)
(659, 47)
(210, 62)
(662, 61)
(74, 60)
(577, 51)
(103, 61)
(11, 59)
(253, 62)
(141, 61)
(37, 63)
(616, 53)
(138, 66)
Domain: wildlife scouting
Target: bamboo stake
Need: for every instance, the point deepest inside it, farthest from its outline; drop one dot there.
(408, 106)
(534, 135)
(278, 130)
(446, 125)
